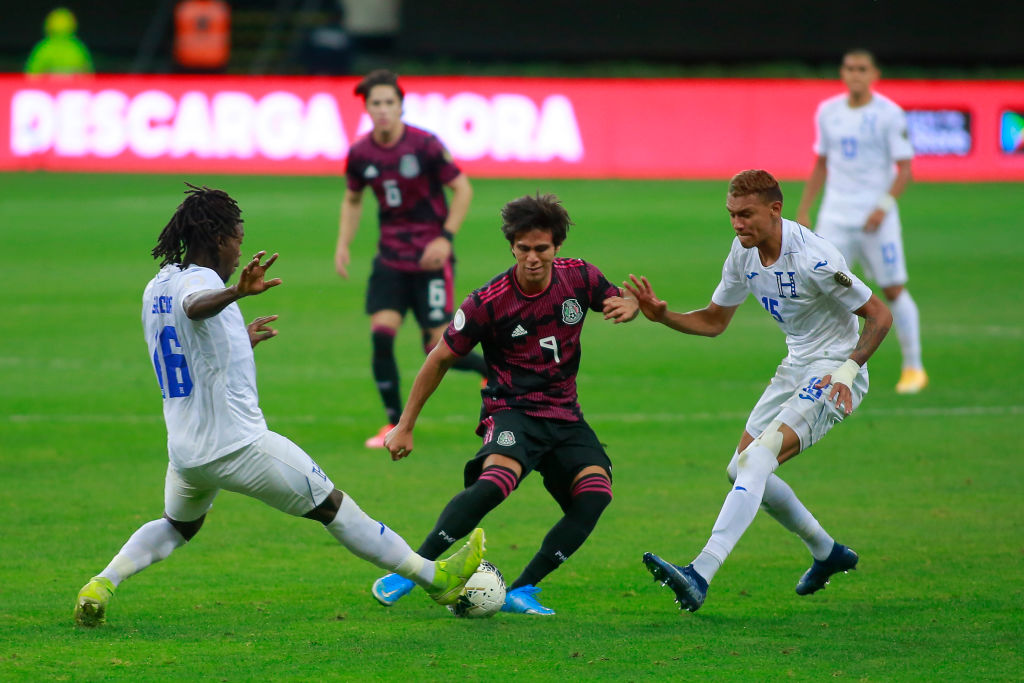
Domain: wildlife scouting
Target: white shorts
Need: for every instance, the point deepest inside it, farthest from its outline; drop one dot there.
(271, 469)
(792, 399)
(879, 253)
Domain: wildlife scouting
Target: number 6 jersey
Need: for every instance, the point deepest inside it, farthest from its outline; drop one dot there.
(205, 369)
(531, 342)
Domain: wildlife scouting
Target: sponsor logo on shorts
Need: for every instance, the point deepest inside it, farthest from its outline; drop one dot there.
(506, 438)
(572, 312)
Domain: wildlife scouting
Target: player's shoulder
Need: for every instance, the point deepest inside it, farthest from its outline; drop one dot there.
(569, 262)
(833, 103)
(808, 249)
(885, 104)
(497, 286)
(419, 137)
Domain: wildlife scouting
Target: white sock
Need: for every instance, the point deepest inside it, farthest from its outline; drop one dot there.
(375, 542)
(781, 503)
(738, 511)
(152, 542)
(908, 329)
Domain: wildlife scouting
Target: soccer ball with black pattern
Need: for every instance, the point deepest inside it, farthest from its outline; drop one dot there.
(483, 595)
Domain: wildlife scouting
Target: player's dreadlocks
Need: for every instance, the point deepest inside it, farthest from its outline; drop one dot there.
(199, 220)
(543, 211)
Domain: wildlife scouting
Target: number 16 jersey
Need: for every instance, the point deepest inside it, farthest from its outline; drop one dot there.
(205, 369)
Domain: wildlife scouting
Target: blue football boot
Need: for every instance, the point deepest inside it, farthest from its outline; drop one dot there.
(521, 601)
(390, 587)
(689, 586)
(841, 559)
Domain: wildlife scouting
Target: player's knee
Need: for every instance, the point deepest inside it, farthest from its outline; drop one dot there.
(591, 494)
(496, 482)
(732, 469)
(762, 455)
(186, 529)
(327, 510)
(383, 339)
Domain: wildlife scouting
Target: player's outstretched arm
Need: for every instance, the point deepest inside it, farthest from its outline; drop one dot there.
(258, 330)
(399, 441)
(251, 281)
(709, 321)
(877, 321)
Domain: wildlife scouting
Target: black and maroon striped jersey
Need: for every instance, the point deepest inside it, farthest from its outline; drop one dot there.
(531, 343)
(408, 180)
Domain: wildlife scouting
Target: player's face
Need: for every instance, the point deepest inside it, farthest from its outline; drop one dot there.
(534, 252)
(384, 107)
(858, 73)
(752, 218)
(229, 251)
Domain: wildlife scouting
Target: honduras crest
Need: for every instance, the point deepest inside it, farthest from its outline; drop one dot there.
(572, 312)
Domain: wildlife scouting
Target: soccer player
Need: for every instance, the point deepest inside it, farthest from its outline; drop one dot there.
(861, 137)
(803, 283)
(407, 168)
(216, 435)
(528, 321)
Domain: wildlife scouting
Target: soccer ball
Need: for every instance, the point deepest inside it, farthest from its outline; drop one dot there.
(483, 595)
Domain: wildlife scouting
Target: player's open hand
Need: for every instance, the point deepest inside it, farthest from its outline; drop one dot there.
(341, 260)
(258, 330)
(399, 443)
(252, 279)
(840, 395)
(620, 309)
(650, 305)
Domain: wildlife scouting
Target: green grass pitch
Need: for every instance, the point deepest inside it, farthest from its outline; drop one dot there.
(927, 488)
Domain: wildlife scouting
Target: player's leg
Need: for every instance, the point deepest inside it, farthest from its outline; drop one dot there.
(433, 308)
(884, 255)
(489, 478)
(186, 501)
(386, 303)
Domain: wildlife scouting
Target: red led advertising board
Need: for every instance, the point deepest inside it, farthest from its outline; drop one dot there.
(494, 127)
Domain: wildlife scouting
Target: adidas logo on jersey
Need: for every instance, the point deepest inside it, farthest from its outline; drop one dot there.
(519, 331)
(371, 172)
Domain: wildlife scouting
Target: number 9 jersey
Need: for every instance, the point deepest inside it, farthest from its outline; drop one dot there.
(205, 369)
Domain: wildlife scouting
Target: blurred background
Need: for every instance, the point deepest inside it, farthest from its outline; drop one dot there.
(786, 38)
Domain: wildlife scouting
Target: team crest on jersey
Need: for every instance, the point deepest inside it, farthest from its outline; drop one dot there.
(460, 320)
(409, 166)
(572, 312)
(371, 172)
(842, 279)
(506, 438)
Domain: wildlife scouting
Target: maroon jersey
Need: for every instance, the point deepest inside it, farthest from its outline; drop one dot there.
(408, 179)
(531, 342)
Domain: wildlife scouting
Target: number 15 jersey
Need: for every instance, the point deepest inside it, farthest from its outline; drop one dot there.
(531, 343)
(205, 369)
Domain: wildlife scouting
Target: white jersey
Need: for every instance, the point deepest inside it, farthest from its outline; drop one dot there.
(861, 146)
(205, 368)
(808, 291)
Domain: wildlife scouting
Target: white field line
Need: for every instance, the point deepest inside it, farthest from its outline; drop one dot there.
(896, 413)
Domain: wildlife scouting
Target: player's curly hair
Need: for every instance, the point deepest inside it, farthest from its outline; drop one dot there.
(540, 211)
(761, 183)
(379, 77)
(197, 223)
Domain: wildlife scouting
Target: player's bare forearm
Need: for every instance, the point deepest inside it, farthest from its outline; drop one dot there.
(902, 179)
(877, 321)
(462, 195)
(208, 303)
(434, 368)
(814, 184)
(702, 323)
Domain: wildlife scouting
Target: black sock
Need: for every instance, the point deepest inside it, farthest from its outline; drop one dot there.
(467, 508)
(385, 373)
(591, 495)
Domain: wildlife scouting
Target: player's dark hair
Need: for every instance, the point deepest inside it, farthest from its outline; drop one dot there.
(379, 77)
(197, 223)
(541, 212)
(761, 183)
(861, 52)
